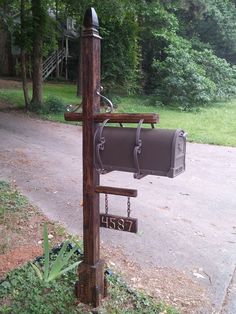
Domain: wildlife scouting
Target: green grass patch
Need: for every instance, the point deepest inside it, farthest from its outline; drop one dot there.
(12, 206)
(66, 92)
(214, 124)
(10, 199)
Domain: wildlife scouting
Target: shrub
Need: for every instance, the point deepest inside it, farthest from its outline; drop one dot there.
(34, 107)
(219, 71)
(188, 77)
(53, 105)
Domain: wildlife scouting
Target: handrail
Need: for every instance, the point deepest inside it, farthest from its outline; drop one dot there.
(54, 55)
(50, 63)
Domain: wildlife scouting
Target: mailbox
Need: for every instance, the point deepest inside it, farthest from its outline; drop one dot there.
(158, 152)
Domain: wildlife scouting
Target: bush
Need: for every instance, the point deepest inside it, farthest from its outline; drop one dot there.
(219, 71)
(53, 105)
(35, 107)
(188, 77)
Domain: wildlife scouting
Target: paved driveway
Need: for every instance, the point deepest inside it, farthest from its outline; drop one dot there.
(187, 223)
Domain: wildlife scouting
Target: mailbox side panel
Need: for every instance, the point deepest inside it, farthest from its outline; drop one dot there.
(159, 155)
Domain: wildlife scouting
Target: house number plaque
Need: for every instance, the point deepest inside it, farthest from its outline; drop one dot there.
(119, 223)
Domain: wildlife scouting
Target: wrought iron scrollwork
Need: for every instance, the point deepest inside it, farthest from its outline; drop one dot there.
(137, 151)
(110, 106)
(100, 147)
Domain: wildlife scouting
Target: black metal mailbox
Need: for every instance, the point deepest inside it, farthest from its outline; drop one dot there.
(158, 152)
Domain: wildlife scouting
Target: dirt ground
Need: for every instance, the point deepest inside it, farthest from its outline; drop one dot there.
(21, 238)
(6, 84)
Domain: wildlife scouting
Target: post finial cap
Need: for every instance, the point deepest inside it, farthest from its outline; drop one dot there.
(91, 19)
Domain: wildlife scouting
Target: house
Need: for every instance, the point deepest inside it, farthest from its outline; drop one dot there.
(60, 63)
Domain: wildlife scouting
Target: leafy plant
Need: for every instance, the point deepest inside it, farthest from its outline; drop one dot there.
(54, 105)
(56, 269)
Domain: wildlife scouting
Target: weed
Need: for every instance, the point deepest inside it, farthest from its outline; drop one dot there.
(10, 199)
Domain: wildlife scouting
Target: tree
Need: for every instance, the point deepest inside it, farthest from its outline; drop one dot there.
(120, 47)
(210, 22)
(23, 55)
(39, 20)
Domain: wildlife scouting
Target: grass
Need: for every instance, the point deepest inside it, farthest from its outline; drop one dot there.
(214, 124)
(12, 205)
(22, 290)
(10, 199)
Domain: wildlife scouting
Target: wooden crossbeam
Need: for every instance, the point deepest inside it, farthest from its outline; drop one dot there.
(116, 191)
(152, 118)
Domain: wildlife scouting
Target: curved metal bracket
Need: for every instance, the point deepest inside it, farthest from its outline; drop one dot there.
(99, 147)
(137, 151)
(73, 108)
(110, 104)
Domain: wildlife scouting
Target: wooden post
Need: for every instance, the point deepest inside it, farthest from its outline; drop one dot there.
(90, 287)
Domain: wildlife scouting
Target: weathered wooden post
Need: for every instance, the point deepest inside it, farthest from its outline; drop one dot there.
(90, 287)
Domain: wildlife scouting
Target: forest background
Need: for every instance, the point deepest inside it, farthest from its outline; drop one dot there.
(182, 52)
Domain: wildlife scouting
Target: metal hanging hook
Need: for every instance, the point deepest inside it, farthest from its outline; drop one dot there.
(110, 104)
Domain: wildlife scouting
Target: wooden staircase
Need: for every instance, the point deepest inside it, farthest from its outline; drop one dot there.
(52, 61)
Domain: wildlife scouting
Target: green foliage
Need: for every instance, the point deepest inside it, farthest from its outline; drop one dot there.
(179, 64)
(214, 22)
(157, 28)
(53, 105)
(218, 71)
(188, 77)
(183, 80)
(120, 54)
(57, 267)
(167, 48)
(25, 291)
(119, 30)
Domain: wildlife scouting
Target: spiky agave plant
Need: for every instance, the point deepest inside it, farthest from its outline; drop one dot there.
(57, 267)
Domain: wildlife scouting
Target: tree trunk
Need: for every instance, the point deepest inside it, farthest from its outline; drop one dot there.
(37, 11)
(23, 57)
(24, 79)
